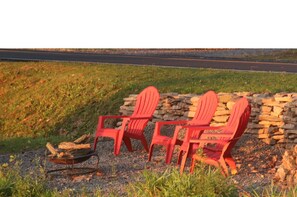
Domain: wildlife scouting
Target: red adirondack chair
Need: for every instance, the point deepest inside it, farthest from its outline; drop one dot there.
(206, 108)
(219, 154)
(132, 126)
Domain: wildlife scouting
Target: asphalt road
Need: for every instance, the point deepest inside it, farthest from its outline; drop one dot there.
(28, 55)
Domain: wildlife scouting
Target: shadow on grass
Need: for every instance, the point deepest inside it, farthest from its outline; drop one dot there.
(84, 119)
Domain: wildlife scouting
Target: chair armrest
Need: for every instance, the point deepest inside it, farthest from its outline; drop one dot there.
(201, 128)
(204, 127)
(195, 141)
(217, 134)
(177, 122)
(159, 125)
(101, 119)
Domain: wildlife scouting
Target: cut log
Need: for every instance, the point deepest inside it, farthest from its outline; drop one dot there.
(83, 139)
(51, 149)
(65, 155)
(61, 154)
(72, 145)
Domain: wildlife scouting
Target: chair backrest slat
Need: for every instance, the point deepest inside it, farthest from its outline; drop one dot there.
(146, 104)
(206, 108)
(237, 123)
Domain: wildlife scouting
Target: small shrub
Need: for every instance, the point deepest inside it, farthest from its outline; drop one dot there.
(276, 191)
(30, 183)
(12, 183)
(205, 181)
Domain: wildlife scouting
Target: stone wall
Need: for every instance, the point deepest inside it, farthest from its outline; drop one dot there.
(286, 173)
(273, 118)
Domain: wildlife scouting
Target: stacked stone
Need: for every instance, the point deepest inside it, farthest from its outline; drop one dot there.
(286, 173)
(172, 106)
(129, 104)
(273, 117)
(226, 102)
(290, 120)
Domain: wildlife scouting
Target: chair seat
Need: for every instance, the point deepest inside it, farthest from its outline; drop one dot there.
(213, 149)
(162, 140)
(215, 155)
(208, 157)
(107, 132)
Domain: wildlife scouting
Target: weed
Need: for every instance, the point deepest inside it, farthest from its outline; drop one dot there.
(205, 181)
(276, 191)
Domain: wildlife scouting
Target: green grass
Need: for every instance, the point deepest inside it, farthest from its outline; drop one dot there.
(21, 144)
(276, 191)
(276, 56)
(39, 99)
(16, 182)
(205, 181)
(32, 183)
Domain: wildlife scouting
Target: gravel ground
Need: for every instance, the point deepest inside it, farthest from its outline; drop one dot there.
(253, 157)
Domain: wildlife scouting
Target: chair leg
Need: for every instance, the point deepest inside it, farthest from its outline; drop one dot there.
(95, 143)
(144, 143)
(169, 152)
(223, 167)
(231, 163)
(117, 148)
(128, 143)
(151, 152)
(183, 162)
(193, 161)
(180, 156)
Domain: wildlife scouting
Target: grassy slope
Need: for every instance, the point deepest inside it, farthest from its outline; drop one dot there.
(44, 99)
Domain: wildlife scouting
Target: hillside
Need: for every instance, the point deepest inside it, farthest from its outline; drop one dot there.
(42, 99)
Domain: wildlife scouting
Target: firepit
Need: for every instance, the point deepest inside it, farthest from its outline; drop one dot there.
(70, 169)
(69, 154)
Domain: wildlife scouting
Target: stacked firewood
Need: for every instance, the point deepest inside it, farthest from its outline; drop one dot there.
(70, 149)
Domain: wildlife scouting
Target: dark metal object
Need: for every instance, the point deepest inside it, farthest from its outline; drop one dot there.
(73, 160)
(72, 171)
(69, 162)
